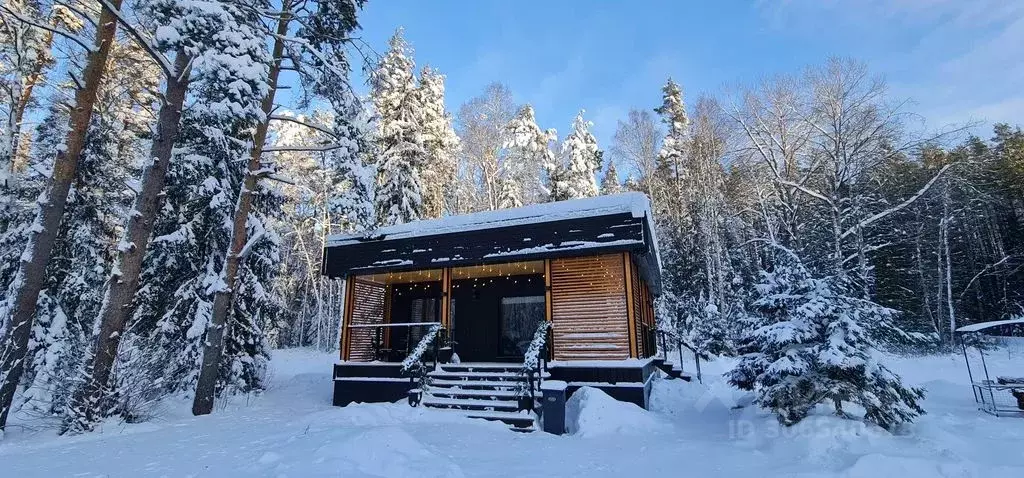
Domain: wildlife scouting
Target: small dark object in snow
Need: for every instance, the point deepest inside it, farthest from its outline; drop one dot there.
(1018, 394)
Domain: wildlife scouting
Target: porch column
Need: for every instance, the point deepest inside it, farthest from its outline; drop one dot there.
(446, 299)
(346, 317)
(548, 305)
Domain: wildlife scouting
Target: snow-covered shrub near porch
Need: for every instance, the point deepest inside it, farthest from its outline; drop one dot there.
(532, 355)
(809, 343)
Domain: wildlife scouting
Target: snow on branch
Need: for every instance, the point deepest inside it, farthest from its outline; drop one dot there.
(42, 26)
(142, 41)
(318, 127)
(285, 149)
(898, 207)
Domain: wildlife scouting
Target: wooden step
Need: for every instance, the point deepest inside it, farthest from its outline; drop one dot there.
(471, 404)
(517, 421)
(459, 392)
(476, 384)
(476, 375)
(513, 419)
(480, 367)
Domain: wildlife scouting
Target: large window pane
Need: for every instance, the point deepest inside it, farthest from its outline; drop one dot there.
(519, 319)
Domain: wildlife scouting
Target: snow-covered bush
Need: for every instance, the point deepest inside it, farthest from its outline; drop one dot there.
(808, 343)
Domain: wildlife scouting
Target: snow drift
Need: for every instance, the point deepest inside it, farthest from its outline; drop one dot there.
(591, 412)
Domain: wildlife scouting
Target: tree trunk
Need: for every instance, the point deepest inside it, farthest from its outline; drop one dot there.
(118, 300)
(213, 346)
(28, 281)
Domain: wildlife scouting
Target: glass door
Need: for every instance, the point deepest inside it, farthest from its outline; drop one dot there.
(520, 317)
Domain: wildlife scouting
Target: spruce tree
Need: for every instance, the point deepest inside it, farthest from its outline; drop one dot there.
(400, 138)
(671, 168)
(582, 161)
(809, 342)
(610, 183)
(528, 152)
(440, 142)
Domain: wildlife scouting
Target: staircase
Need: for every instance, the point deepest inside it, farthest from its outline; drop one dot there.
(480, 390)
(672, 370)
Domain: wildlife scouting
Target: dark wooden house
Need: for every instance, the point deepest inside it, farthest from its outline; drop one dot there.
(468, 311)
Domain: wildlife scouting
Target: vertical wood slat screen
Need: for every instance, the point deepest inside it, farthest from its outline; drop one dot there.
(647, 309)
(638, 311)
(367, 308)
(588, 308)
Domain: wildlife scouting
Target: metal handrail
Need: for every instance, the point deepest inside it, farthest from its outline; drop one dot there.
(680, 343)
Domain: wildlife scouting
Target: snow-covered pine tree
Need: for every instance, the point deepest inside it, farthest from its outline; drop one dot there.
(334, 32)
(632, 184)
(352, 203)
(808, 342)
(528, 153)
(187, 250)
(24, 289)
(400, 138)
(672, 155)
(610, 183)
(440, 142)
(82, 255)
(582, 160)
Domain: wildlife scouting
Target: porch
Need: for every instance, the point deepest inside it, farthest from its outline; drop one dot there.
(486, 300)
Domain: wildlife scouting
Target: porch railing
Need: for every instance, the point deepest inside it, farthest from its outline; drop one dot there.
(668, 336)
(416, 369)
(535, 361)
(386, 354)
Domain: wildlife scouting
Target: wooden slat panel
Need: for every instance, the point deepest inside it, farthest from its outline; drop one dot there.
(346, 314)
(637, 305)
(367, 308)
(588, 308)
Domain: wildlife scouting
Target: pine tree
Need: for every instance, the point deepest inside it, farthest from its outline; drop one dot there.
(610, 184)
(400, 138)
(672, 156)
(355, 176)
(440, 142)
(808, 342)
(24, 289)
(529, 151)
(83, 254)
(582, 161)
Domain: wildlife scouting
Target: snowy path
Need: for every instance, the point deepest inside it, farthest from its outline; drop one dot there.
(293, 431)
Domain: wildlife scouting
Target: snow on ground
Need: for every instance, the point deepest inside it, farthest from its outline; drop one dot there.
(292, 430)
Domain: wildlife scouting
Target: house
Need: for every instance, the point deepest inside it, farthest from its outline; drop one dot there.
(482, 300)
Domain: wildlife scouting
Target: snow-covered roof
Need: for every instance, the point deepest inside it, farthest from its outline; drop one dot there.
(633, 203)
(592, 226)
(986, 325)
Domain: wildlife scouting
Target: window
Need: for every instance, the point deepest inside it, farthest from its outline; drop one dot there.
(519, 319)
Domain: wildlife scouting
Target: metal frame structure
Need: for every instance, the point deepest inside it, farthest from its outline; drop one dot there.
(995, 397)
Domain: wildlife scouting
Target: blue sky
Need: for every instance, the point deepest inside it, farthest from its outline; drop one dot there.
(956, 60)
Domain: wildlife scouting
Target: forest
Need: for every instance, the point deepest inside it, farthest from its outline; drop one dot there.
(163, 214)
